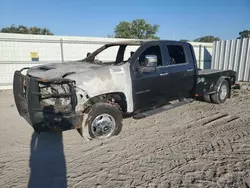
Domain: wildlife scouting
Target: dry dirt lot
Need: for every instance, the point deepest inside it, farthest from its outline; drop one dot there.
(196, 145)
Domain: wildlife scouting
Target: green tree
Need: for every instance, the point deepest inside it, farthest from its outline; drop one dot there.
(244, 34)
(207, 39)
(137, 29)
(25, 30)
(15, 29)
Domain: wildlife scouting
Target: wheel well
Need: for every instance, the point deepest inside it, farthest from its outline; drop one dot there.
(118, 99)
(228, 80)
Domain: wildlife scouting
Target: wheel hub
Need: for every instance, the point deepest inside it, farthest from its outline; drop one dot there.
(223, 92)
(103, 126)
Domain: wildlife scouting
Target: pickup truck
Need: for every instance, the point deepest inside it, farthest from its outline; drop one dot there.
(93, 96)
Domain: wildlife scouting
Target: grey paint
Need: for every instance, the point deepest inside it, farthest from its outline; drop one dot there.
(56, 70)
(91, 79)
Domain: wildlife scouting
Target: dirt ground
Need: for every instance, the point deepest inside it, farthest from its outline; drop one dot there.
(195, 145)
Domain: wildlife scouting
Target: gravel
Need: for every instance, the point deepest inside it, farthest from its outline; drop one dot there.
(195, 145)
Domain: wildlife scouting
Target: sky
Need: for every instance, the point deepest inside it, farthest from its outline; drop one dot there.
(178, 19)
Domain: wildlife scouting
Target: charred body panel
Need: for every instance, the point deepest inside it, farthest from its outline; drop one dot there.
(30, 100)
(60, 70)
(55, 96)
(110, 79)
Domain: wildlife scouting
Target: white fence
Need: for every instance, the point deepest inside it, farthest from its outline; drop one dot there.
(17, 51)
(234, 55)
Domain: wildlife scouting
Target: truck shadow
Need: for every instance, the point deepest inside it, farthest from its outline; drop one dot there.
(47, 161)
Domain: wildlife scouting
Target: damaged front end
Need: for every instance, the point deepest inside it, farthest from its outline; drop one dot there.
(47, 105)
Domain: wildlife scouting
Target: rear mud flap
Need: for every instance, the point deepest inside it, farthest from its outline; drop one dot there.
(43, 119)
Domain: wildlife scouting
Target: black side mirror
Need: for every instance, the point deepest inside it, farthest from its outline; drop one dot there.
(88, 54)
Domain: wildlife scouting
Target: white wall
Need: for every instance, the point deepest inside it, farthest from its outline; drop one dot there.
(234, 55)
(15, 51)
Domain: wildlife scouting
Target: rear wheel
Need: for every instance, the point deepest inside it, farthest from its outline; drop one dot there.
(207, 98)
(222, 94)
(102, 121)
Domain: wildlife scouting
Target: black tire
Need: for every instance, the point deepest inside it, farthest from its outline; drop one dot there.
(207, 98)
(97, 110)
(217, 98)
(181, 99)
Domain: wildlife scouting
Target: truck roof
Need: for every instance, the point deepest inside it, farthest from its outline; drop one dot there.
(139, 42)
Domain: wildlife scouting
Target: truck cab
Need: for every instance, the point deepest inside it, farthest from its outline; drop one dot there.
(93, 95)
(172, 76)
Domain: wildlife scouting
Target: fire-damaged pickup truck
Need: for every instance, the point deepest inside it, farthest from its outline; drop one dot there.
(93, 95)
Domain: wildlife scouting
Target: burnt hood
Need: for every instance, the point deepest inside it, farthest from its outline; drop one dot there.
(59, 70)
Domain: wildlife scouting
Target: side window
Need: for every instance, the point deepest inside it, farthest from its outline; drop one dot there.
(152, 50)
(177, 54)
(129, 50)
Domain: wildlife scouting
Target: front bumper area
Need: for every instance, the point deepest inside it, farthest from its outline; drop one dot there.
(28, 97)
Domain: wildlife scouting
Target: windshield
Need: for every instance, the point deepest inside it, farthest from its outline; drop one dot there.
(112, 54)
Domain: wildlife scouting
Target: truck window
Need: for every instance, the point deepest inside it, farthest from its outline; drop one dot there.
(177, 54)
(108, 55)
(129, 50)
(152, 50)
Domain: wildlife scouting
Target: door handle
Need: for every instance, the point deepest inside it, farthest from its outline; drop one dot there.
(189, 70)
(163, 74)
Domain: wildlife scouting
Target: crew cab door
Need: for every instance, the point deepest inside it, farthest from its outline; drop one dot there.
(147, 86)
(180, 70)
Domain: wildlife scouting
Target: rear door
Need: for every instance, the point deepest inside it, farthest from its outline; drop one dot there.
(179, 70)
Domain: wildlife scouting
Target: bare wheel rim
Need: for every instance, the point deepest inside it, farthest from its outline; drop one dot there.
(223, 92)
(103, 126)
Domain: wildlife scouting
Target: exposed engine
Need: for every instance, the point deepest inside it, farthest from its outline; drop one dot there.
(55, 102)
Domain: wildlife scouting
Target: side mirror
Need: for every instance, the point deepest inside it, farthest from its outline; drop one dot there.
(88, 54)
(149, 64)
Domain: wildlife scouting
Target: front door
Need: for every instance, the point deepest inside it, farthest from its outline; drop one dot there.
(146, 85)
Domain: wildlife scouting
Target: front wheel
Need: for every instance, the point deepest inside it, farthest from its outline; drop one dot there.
(101, 121)
(222, 94)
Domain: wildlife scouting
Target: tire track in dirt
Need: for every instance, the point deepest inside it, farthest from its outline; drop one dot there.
(172, 163)
(196, 145)
(153, 159)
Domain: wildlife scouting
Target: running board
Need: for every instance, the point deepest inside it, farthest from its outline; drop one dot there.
(157, 110)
